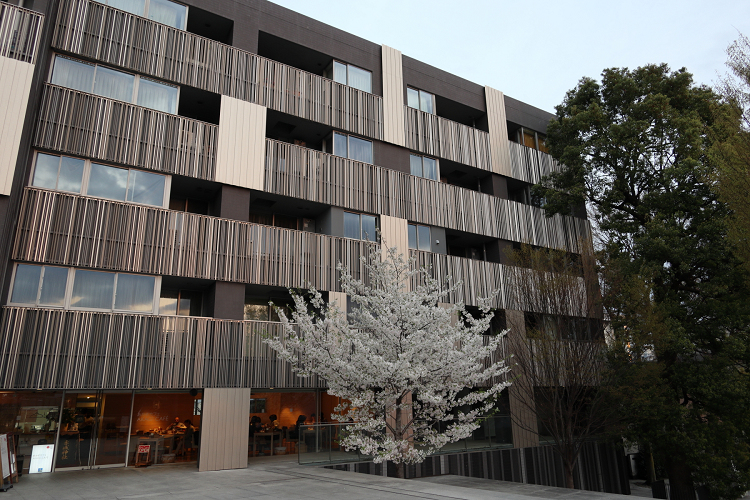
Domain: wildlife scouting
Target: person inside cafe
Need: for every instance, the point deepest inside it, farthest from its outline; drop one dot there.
(176, 426)
(274, 423)
(188, 440)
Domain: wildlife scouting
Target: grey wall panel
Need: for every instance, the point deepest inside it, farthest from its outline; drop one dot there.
(93, 30)
(393, 96)
(87, 125)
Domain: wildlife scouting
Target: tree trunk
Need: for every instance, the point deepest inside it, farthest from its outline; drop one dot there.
(401, 471)
(569, 467)
(681, 485)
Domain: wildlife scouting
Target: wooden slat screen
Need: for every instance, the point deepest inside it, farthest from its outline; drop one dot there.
(103, 129)
(112, 36)
(20, 30)
(46, 348)
(312, 175)
(71, 230)
(437, 136)
(530, 165)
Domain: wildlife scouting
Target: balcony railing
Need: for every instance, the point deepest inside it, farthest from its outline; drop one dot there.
(530, 165)
(96, 31)
(96, 127)
(311, 175)
(437, 136)
(319, 444)
(71, 230)
(51, 348)
(20, 30)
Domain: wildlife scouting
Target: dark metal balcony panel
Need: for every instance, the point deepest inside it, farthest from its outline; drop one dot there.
(437, 136)
(20, 30)
(478, 278)
(46, 349)
(71, 230)
(99, 128)
(315, 176)
(99, 32)
(530, 165)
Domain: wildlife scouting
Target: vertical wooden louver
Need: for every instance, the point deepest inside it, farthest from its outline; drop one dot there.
(20, 30)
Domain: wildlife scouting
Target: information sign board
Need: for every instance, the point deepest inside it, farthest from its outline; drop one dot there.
(41, 458)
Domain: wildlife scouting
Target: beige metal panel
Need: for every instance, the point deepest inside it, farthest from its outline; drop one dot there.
(340, 299)
(15, 85)
(393, 97)
(394, 233)
(224, 427)
(498, 127)
(242, 144)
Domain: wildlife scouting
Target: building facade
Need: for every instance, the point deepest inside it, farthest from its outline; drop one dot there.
(167, 169)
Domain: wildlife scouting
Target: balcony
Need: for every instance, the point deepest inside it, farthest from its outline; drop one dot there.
(530, 165)
(71, 230)
(50, 348)
(438, 136)
(96, 127)
(20, 30)
(95, 31)
(320, 177)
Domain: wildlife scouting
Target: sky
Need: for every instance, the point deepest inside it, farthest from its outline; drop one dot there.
(535, 51)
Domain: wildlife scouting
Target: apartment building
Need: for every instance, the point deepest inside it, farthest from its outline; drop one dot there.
(168, 168)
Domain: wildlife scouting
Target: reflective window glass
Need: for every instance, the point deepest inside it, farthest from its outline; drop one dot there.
(256, 312)
(429, 168)
(351, 225)
(168, 302)
(412, 236)
(360, 78)
(412, 98)
(45, 171)
(426, 102)
(137, 7)
(108, 182)
(113, 84)
(76, 75)
(26, 284)
(339, 72)
(360, 150)
(53, 286)
(134, 292)
(71, 174)
(93, 289)
(340, 147)
(169, 13)
(146, 188)
(157, 96)
(369, 228)
(415, 162)
(423, 238)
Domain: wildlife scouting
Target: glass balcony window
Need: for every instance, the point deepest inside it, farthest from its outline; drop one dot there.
(352, 76)
(421, 100)
(423, 166)
(162, 11)
(360, 226)
(354, 148)
(419, 237)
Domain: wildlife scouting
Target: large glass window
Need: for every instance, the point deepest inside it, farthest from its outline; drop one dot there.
(419, 237)
(93, 290)
(180, 303)
(423, 166)
(64, 173)
(354, 148)
(39, 285)
(353, 76)
(114, 84)
(161, 11)
(421, 100)
(360, 226)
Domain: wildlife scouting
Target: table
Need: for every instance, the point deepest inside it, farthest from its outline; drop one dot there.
(264, 435)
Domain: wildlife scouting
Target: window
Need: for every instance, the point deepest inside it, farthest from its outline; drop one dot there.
(260, 309)
(48, 286)
(64, 173)
(113, 84)
(421, 100)
(161, 11)
(352, 76)
(423, 166)
(532, 139)
(180, 303)
(354, 148)
(419, 237)
(360, 226)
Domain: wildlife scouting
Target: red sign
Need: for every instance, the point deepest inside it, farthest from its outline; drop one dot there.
(144, 448)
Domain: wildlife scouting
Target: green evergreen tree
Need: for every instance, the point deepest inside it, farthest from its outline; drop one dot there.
(635, 149)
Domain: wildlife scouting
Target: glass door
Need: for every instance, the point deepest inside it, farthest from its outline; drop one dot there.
(112, 428)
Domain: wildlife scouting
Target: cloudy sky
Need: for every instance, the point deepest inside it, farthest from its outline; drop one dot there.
(536, 51)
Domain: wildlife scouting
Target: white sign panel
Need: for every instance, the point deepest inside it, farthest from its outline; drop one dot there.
(4, 455)
(41, 458)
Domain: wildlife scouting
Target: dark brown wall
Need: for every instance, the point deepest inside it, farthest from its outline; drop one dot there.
(496, 185)
(499, 251)
(436, 81)
(390, 156)
(228, 300)
(526, 115)
(233, 203)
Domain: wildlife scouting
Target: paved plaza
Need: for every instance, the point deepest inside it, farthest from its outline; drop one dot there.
(279, 478)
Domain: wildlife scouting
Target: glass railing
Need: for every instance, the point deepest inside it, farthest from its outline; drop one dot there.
(320, 444)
